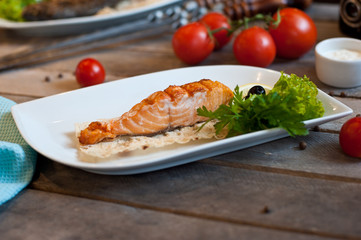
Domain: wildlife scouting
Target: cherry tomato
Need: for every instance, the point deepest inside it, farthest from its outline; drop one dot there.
(215, 20)
(89, 72)
(295, 35)
(192, 43)
(350, 137)
(255, 47)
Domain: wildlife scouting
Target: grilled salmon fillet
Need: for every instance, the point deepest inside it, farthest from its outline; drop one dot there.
(162, 111)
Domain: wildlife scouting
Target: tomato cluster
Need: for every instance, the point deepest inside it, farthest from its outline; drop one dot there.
(290, 34)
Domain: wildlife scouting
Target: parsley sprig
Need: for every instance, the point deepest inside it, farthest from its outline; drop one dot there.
(291, 101)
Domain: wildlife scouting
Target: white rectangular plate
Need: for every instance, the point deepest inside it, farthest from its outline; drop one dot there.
(78, 25)
(47, 124)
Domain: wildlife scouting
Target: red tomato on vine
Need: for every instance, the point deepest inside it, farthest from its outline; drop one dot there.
(193, 43)
(218, 21)
(255, 47)
(295, 35)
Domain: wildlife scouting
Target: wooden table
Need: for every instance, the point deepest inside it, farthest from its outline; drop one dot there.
(270, 191)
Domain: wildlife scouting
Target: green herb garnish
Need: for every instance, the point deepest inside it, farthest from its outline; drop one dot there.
(291, 101)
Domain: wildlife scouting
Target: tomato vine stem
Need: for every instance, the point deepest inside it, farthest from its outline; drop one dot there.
(266, 18)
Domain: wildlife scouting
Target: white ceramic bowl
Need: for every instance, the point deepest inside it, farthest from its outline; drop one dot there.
(338, 62)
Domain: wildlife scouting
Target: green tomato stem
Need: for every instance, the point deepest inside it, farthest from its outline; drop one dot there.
(245, 22)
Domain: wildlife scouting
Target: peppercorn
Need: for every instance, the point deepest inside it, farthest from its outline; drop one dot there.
(302, 145)
(265, 210)
(316, 128)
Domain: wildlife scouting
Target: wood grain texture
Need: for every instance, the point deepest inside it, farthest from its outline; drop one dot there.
(323, 158)
(335, 126)
(147, 56)
(78, 218)
(303, 190)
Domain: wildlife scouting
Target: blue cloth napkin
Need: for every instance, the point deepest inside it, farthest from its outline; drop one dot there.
(17, 158)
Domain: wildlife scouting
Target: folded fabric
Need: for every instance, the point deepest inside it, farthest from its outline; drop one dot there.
(17, 158)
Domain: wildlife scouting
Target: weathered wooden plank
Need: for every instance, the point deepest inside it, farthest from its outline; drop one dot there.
(12, 43)
(35, 83)
(335, 126)
(302, 195)
(17, 98)
(39, 215)
(32, 82)
(323, 158)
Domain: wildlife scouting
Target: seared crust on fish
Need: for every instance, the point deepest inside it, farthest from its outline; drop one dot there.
(162, 111)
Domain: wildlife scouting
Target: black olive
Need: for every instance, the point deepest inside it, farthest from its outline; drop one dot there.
(257, 89)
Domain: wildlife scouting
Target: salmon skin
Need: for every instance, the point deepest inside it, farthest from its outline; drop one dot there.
(59, 9)
(162, 111)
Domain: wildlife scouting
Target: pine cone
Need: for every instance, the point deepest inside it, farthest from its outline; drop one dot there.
(237, 9)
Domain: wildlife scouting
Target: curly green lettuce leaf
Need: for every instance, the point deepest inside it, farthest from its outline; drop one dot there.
(303, 93)
(287, 105)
